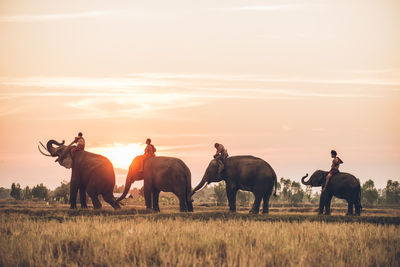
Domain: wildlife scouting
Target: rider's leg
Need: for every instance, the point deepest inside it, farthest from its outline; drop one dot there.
(327, 181)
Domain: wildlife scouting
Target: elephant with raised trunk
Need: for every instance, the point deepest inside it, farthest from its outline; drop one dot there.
(246, 173)
(91, 173)
(165, 174)
(342, 185)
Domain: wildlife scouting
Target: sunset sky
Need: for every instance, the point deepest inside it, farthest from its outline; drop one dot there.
(286, 81)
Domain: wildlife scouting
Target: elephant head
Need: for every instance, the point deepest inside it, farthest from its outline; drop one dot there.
(62, 152)
(210, 176)
(317, 179)
(134, 174)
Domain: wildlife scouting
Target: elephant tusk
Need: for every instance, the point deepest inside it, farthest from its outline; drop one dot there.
(205, 185)
(43, 146)
(47, 155)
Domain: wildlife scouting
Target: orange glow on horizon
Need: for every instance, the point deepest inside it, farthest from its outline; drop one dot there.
(120, 155)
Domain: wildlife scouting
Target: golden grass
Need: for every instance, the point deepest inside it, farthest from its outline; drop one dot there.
(144, 241)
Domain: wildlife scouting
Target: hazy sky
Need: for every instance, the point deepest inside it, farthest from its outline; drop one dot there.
(286, 81)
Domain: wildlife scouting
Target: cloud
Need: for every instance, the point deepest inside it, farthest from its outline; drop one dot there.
(266, 79)
(84, 82)
(154, 93)
(264, 7)
(51, 17)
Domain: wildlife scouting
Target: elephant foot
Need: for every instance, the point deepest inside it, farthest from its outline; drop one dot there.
(265, 212)
(327, 213)
(149, 210)
(253, 211)
(349, 214)
(320, 213)
(232, 210)
(72, 207)
(84, 207)
(156, 209)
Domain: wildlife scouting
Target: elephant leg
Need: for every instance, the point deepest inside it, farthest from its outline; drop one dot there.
(256, 205)
(109, 198)
(328, 199)
(73, 191)
(231, 194)
(82, 197)
(147, 197)
(95, 201)
(358, 207)
(350, 204)
(156, 195)
(321, 203)
(266, 202)
(183, 203)
(189, 202)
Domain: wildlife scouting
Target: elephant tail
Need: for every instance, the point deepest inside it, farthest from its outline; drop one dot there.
(358, 200)
(275, 184)
(189, 190)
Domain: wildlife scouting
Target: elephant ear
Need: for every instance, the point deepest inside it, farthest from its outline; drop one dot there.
(136, 164)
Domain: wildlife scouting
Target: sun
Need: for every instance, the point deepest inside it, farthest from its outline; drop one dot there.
(120, 155)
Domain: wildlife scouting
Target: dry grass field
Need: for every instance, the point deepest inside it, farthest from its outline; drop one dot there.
(36, 234)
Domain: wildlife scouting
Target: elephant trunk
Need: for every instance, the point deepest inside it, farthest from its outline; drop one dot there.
(128, 184)
(52, 150)
(304, 182)
(199, 186)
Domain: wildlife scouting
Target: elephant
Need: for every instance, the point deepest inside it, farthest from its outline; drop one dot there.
(342, 185)
(91, 173)
(247, 173)
(159, 173)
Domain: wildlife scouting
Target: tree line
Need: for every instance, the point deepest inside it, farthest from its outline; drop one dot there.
(39, 192)
(292, 192)
(288, 191)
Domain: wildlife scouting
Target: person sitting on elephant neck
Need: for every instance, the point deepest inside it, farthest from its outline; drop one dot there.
(334, 168)
(220, 156)
(80, 143)
(149, 152)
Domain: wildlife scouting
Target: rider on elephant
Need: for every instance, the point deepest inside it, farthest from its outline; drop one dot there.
(149, 151)
(334, 168)
(220, 156)
(80, 143)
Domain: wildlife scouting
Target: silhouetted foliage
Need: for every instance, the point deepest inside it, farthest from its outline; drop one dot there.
(220, 194)
(392, 192)
(61, 193)
(5, 192)
(40, 191)
(27, 193)
(297, 193)
(291, 191)
(244, 198)
(369, 193)
(16, 191)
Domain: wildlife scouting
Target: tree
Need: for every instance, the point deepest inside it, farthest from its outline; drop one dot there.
(243, 198)
(27, 193)
(369, 193)
(119, 189)
(15, 191)
(297, 194)
(5, 193)
(308, 194)
(61, 193)
(286, 192)
(220, 194)
(315, 197)
(40, 191)
(392, 192)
